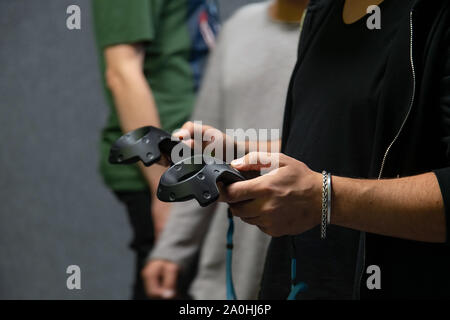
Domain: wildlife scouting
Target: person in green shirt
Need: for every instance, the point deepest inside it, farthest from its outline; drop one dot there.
(152, 54)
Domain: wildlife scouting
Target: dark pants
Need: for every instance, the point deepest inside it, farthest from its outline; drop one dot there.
(139, 214)
(138, 207)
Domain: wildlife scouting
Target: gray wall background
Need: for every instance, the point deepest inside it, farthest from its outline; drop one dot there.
(54, 209)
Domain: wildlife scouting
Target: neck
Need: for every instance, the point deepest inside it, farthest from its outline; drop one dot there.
(288, 10)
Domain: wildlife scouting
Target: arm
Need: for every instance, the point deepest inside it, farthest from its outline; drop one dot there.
(188, 223)
(415, 208)
(410, 208)
(288, 201)
(136, 108)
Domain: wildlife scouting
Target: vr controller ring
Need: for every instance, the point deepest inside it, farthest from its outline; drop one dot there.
(145, 144)
(196, 178)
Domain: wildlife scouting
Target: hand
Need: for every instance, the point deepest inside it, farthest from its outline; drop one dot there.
(160, 279)
(160, 213)
(287, 201)
(211, 137)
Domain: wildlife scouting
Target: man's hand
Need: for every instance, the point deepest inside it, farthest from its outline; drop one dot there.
(222, 142)
(160, 279)
(190, 132)
(286, 201)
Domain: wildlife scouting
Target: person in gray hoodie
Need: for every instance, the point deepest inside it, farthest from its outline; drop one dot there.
(248, 71)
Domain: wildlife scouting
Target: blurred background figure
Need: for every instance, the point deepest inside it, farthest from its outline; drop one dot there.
(151, 56)
(248, 71)
(55, 210)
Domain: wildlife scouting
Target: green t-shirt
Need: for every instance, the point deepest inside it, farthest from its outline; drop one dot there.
(165, 29)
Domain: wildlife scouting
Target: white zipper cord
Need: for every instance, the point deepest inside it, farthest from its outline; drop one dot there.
(413, 69)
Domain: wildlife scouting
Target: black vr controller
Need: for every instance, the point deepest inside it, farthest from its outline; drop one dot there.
(194, 177)
(146, 144)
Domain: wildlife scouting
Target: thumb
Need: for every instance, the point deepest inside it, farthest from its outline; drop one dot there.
(254, 161)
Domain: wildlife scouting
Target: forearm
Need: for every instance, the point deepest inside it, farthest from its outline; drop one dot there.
(134, 102)
(136, 108)
(133, 98)
(410, 208)
(152, 175)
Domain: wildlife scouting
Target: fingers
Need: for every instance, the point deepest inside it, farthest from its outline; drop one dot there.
(169, 281)
(151, 275)
(255, 161)
(249, 209)
(190, 129)
(160, 278)
(246, 190)
(183, 134)
(245, 210)
(186, 134)
(195, 134)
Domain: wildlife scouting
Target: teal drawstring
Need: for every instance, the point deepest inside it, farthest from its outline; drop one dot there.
(295, 288)
(231, 294)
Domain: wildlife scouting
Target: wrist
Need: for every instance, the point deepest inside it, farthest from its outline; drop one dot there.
(338, 217)
(346, 196)
(315, 196)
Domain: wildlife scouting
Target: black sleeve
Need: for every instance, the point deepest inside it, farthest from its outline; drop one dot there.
(287, 111)
(443, 175)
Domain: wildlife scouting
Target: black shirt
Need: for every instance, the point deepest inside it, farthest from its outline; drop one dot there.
(332, 125)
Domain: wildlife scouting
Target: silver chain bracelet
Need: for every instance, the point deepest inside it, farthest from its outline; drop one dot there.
(329, 198)
(323, 225)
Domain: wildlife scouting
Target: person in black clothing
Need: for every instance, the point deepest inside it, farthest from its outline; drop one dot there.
(372, 108)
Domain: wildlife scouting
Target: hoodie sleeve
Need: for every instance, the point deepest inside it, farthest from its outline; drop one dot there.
(443, 175)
